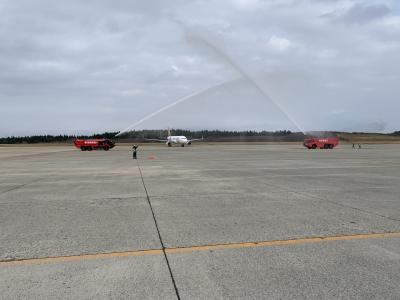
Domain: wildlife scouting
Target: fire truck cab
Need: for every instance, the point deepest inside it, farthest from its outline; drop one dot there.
(94, 144)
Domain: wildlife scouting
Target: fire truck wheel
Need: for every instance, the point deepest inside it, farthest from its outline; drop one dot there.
(89, 148)
(83, 148)
(314, 146)
(330, 146)
(106, 148)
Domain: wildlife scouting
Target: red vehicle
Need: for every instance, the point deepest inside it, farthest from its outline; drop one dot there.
(322, 143)
(94, 144)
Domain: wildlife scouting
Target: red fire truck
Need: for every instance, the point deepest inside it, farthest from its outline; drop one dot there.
(322, 143)
(94, 144)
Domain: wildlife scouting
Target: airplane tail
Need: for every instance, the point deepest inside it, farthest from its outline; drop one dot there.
(169, 132)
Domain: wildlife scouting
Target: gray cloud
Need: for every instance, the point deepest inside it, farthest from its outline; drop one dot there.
(89, 66)
(362, 13)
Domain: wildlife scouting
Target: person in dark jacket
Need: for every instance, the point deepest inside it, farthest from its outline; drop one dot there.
(134, 149)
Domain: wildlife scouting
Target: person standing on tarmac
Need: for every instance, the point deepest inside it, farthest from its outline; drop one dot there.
(134, 149)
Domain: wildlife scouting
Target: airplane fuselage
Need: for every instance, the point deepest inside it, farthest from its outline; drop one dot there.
(180, 140)
(176, 139)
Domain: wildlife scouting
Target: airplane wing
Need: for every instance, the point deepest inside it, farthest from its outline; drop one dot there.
(156, 140)
(193, 140)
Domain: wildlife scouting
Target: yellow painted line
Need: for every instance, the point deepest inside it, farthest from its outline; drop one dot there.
(282, 242)
(311, 240)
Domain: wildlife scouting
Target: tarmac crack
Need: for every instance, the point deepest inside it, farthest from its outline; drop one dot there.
(14, 188)
(19, 186)
(159, 235)
(352, 207)
(17, 157)
(301, 193)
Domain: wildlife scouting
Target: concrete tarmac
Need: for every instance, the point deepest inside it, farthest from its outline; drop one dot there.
(200, 222)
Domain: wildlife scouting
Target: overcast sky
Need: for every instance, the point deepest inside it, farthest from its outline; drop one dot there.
(94, 66)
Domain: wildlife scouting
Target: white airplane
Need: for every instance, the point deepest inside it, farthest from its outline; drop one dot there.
(176, 139)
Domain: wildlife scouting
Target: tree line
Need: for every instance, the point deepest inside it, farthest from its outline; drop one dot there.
(140, 135)
(154, 134)
(35, 139)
